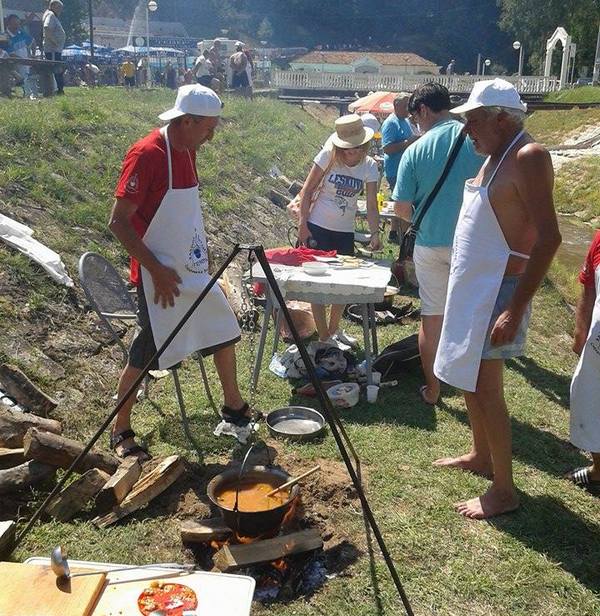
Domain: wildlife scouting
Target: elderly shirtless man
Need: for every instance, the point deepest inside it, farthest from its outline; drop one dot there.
(505, 239)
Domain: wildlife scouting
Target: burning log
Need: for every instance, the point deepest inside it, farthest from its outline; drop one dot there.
(18, 386)
(147, 488)
(231, 557)
(74, 497)
(120, 484)
(7, 537)
(204, 531)
(14, 425)
(12, 479)
(11, 457)
(61, 451)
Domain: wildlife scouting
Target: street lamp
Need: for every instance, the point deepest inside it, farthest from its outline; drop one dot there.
(150, 7)
(487, 62)
(517, 46)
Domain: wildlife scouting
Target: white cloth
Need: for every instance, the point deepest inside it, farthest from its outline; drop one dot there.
(479, 257)
(176, 238)
(202, 67)
(585, 386)
(20, 236)
(432, 268)
(54, 34)
(335, 207)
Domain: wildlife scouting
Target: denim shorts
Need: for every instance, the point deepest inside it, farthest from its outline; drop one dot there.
(517, 346)
(325, 239)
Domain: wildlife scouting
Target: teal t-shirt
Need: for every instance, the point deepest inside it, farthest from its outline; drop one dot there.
(419, 170)
(394, 129)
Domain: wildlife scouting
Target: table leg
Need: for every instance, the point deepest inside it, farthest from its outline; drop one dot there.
(373, 324)
(262, 341)
(277, 330)
(367, 341)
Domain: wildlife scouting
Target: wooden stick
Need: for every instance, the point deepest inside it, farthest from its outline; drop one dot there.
(294, 481)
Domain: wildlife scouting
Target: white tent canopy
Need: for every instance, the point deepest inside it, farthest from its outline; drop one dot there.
(154, 51)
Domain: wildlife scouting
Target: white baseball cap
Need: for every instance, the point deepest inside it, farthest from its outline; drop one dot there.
(195, 100)
(492, 93)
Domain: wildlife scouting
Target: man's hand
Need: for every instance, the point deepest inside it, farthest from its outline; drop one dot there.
(165, 280)
(303, 234)
(579, 342)
(505, 329)
(375, 243)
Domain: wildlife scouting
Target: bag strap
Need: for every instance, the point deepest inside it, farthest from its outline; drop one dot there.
(436, 189)
(319, 187)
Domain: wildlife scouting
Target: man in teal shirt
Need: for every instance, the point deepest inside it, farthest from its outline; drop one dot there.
(396, 136)
(419, 170)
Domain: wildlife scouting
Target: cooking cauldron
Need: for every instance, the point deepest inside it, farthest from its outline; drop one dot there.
(252, 523)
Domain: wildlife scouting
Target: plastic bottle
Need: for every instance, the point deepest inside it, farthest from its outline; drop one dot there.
(380, 201)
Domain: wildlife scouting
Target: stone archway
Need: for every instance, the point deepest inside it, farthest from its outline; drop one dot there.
(560, 36)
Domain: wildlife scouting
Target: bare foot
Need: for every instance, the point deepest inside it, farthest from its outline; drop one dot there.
(469, 462)
(492, 503)
(428, 396)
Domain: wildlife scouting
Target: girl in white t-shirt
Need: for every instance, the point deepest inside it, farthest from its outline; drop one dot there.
(329, 198)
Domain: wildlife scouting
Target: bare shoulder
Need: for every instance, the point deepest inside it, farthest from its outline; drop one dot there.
(534, 154)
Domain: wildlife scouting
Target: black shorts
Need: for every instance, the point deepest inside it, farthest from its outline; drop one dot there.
(325, 239)
(240, 80)
(205, 80)
(143, 347)
(130, 81)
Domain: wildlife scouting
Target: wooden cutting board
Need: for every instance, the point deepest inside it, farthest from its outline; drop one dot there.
(33, 589)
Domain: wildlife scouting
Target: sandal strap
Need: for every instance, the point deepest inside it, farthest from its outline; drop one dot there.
(581, 476)
(236, 417)
(133, 450)
(117, 439)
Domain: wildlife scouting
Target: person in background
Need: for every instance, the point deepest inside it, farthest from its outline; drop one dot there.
(396, 136)
(505, 239)
(203, 69)
(170, 76)
(249, 72)
(127, 71)
(19, 45)
(451, 68)
(585, 387)
(54, 40)
(329, 202)
(420, 168)
(238, 63)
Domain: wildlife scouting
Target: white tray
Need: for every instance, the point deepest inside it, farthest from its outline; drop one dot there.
(219, 594)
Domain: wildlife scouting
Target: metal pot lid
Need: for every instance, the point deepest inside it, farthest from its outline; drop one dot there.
(295, 421)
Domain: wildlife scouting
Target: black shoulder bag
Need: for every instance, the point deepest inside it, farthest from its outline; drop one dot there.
(407, 246)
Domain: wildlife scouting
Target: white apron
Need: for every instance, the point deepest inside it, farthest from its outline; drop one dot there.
(479, 257)
(585, 387)
(176, 238)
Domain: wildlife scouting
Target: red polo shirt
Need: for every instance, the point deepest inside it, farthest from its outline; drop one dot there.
(145, 179)
(592, 261)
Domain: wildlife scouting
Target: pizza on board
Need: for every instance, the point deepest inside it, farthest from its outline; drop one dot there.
(171, 599)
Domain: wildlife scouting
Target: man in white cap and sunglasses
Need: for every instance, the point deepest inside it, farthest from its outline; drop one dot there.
(505, 239)
(157, 217)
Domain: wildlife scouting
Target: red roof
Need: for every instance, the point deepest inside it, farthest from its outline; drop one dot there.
(348, 57)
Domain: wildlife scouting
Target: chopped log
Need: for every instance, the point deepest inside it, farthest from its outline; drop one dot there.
(147, 488)
(295, 187)
(11, 457)
(204, 531)
(19, 387)
(232, 287)
(61, 451)
(74, 497)
(278, 198)
(231, 557)
(14, 425)
(119, 485)
(17, 477)
(7, 537)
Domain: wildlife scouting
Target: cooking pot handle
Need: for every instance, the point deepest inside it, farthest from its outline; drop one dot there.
(239, 482)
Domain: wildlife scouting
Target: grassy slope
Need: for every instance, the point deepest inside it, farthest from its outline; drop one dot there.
(586, 94)
(541, 560)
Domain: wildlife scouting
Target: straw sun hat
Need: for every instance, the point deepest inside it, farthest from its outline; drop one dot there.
(350, 132)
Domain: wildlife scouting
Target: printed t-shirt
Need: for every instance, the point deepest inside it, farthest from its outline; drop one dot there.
(421, 167)
(393, 130)
(145, 179)
(591, 264)
(335, 207)
(18, 43)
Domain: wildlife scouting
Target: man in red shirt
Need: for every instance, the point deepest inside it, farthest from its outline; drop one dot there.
(585, 387)
(158, 219)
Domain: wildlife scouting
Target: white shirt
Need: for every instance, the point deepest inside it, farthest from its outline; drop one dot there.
(202, 66)
(335, 207)
(54, 34)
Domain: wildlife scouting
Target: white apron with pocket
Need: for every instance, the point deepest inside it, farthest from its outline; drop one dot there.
(480, 254)
(585, 387)
(176, 238)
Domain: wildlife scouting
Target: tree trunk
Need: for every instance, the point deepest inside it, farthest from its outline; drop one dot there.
(14, 425)
(18, 386)
(13, 479)
(74, 497)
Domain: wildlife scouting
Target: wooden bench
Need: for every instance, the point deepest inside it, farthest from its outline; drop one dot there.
(44, 69)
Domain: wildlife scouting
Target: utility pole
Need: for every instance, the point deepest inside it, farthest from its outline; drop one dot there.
(478, 64)
(596, 73)
(91, 17)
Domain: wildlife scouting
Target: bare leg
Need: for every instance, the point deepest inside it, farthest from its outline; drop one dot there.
(429, 338)
(123, 419)
(501, 497)
(320, 317)
(226, 369)
(335, 317)
(478, 460)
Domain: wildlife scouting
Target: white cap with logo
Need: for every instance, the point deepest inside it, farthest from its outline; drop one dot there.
(195, 100)
(492, 93)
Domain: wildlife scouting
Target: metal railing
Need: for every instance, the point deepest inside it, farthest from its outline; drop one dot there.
(351, 82)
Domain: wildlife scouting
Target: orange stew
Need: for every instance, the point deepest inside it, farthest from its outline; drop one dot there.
(171, 599)
(253, 497)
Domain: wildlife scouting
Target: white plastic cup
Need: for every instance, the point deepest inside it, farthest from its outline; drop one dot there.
(376, 377)
(372, 391)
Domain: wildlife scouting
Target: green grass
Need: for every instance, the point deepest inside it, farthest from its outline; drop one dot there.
(552, 127)
(585, 94)
(577, 190)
